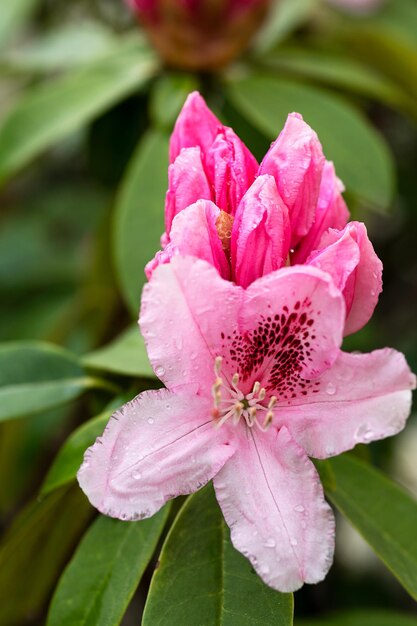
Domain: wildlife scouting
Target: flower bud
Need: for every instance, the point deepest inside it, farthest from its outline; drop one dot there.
(200, 34)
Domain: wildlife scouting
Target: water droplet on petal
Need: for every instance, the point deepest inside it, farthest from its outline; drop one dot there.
(299, 508)
(293, 541)
(136, 475)
(331, 389)
(150, 420)
(159, 371)
(270, 543)
(265, 569)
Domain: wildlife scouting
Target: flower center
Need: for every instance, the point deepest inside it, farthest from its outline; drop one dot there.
(231, 404)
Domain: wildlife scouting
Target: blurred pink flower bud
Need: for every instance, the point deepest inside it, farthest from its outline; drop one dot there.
(200, 34)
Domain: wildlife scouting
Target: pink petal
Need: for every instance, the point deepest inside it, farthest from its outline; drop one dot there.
(362, 288)
(231, 168)
(296, 161)
(291, 326)
(338, 259)
(362, 398)
(196, 125)
(154, 448)
(261, 232)
(187, 183)
(272, 499)
(186, 308)
(331, 212)
(194, 233)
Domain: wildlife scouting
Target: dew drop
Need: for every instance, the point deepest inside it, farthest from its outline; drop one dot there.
(159, 371)
(293, 541)
(136, 475)
(331, 389)
(299, 508)
(265, 569)
(270, 543)
(150, 420)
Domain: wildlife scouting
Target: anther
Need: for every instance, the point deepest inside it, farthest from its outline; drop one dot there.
(256, 387)
(268, 420)
(262, 394)
(218, 365)
(235, 379)
(272, 402)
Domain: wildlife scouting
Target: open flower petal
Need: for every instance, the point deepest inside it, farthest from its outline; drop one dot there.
(154, 448)
(291, 325)
(261, 232)
(296, 161)
(362, 398)
(186, 308)
(187, 183)
(272, 499)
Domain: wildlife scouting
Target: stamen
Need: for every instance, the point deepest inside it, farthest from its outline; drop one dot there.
(235, 405)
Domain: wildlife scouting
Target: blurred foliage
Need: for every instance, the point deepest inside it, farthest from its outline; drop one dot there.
(86, 109)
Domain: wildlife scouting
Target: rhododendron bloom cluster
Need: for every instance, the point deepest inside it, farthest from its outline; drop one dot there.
(243, 317)
(200, 34)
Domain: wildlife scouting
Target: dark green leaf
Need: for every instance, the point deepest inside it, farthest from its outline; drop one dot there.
(168, 96)
(285, 16)
(363, 618)
(100, 580)
(383, 513)
(203, 581)
(125, 355)
(36, 376)
(139, 220)
(361, 157)
(69, 458)
(48, 113)
(34, 550)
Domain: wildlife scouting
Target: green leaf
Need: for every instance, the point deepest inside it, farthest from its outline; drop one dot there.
(125, 355)
(101, 578)
(66, 463)
(360, 155)
(168, 96)
(336, 71)
(13, 15)
(36, 376)
(48, 113)
(363, 618)
(63, 47)
(383, 513)
(284, 17)
(34, 551)
(203, 581)
(139, 219)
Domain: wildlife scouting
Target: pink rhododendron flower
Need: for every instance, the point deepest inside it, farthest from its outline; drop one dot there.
(200, 34)
(256, 383)
(249, 220)
(243, 318)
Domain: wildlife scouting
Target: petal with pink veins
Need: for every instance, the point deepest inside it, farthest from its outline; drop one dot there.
(362, 288)
(187, 183)
(362, 398)
(261, 232)
(272, 499)
(331, 212)
(196, 125)
(231, 168)
(296, 161)
(186, 309)
(158, 446)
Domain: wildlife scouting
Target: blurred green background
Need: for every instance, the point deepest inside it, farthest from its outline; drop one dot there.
(86, 109)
